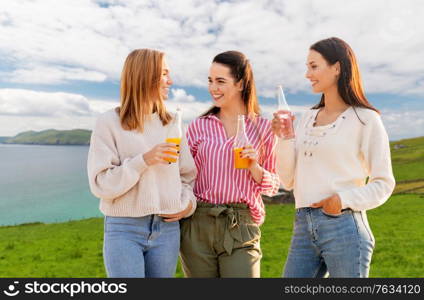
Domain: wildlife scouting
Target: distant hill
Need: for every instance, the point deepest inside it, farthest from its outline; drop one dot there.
(409, 152)
(3, 138)
(408, 165)
(51, 137)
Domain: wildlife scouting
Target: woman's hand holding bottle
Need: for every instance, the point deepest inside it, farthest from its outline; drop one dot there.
(282, 124)
(250, 153)
(161, 154)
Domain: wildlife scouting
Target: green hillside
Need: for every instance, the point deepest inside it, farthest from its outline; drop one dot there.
(408, 165)
(3, 138)
(52, 137)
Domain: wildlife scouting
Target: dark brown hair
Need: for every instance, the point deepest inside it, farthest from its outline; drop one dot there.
(349, 84)
(240, 69)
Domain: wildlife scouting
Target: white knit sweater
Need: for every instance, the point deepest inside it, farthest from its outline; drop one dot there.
(337, 158)
(119, 176)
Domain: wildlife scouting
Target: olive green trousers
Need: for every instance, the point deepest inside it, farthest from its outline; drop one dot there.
(220, 241)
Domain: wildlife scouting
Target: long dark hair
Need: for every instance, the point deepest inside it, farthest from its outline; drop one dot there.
(349, 84)
(241, 69)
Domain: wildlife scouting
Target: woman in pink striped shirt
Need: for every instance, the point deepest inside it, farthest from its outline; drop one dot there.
(222, 238)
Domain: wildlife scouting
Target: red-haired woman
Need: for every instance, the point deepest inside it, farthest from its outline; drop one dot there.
(143, 195)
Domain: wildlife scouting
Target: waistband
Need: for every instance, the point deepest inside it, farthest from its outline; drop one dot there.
(312, 209)
(232, 213)
(236, 206)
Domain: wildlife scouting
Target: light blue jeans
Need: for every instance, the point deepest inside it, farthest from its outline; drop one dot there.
(140, 247)
(340, 245)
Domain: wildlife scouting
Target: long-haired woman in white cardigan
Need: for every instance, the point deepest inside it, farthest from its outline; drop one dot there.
(338, 166)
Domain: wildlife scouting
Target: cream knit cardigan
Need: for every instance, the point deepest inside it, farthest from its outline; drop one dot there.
(126, 186)
(338, 158)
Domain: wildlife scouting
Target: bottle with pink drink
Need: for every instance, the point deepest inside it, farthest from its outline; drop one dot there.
(285, 114)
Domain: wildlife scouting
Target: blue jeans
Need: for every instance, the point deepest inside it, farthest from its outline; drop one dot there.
(340, 245)
(140, 247)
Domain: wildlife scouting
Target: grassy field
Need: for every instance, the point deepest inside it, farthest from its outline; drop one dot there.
(408, 162)
(74, 249)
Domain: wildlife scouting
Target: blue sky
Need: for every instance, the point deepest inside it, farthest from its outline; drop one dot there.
(60, 61)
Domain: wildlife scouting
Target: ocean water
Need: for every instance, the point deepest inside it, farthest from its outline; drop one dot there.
(44, 184)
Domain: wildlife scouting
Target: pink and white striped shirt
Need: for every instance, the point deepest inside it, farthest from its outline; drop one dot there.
(218, 182)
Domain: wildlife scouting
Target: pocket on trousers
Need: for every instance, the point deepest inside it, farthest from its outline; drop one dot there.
(333, 216)
(250, 233)
(364, 227)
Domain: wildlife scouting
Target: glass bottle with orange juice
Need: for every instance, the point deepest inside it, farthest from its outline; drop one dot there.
(240, 141)
(174, 135)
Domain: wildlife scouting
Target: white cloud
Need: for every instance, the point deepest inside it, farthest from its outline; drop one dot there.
(187, 103)
(18, 102)
(403, 124)
(22, 110)
(43, 42)
(94, 37)
(181, 95)
(52, 75)
(101, 106)
(29, 103)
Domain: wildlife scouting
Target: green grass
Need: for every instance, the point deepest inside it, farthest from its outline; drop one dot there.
(408, 171)
(414, 186)
(408, 162)
(74, 249)
(399, 231)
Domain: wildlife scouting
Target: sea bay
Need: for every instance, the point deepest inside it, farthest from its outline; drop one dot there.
(44, 184)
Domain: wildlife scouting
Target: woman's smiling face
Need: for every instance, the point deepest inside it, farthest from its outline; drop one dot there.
(222, 86)
(165, 81)
(321, 75)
